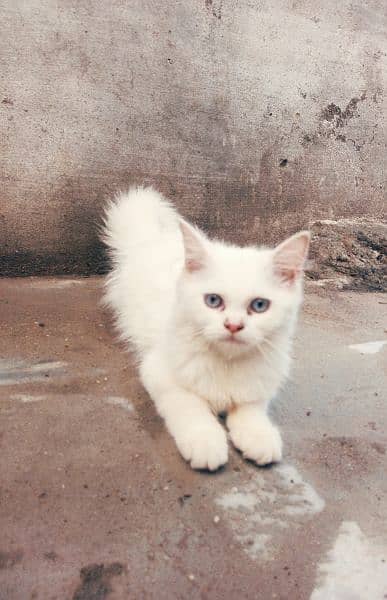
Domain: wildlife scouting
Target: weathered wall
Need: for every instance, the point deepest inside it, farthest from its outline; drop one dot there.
(254, 116)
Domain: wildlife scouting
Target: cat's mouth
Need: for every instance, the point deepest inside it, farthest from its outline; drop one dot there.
(231, 339)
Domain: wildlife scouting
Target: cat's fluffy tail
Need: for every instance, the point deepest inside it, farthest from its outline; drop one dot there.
(143, 237)
(136, 217)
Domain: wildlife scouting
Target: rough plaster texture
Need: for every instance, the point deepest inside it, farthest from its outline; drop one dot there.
(349, 254)
(254, 116)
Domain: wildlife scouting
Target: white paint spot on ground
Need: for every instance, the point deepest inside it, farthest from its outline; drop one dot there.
(26, 398)
(356, 568)
(368, 347)
(306, 500)
(123, 402)
(259, 510)
(238, 500)
(18, 371)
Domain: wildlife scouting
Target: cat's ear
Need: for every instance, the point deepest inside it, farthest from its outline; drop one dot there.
(290, 256)
(194, 247)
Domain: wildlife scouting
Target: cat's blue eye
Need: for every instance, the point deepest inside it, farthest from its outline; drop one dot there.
(213, 300)
(259, 305)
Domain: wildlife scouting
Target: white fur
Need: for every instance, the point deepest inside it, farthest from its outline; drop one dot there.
(162, 268)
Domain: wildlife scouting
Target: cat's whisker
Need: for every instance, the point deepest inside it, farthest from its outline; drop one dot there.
(275, 347)
(266, 357)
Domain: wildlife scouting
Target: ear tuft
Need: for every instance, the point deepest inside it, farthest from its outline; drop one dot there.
(194, 247)
(289, 257)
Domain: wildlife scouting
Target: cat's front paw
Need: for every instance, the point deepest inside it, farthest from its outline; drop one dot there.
(204, 447)
(258, 439)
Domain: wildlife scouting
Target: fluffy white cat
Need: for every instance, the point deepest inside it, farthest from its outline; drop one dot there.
(211, 323)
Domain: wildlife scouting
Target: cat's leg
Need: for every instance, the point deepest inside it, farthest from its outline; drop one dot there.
(199, 437)
(253, 433)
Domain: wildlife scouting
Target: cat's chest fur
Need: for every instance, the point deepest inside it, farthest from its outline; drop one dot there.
(225, 383)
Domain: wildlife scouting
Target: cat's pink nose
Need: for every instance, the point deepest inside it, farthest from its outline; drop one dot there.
(233, 327)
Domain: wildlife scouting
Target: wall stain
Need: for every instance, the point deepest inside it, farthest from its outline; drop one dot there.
(216, 11)
(339, 117)
(332, 120)
(91, 260)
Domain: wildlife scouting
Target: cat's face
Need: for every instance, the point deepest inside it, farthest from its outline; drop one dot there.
(237, 298)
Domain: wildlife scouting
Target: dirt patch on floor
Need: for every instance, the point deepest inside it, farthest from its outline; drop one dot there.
(10, 559)
(95, 581)
(346, 455)
(349, 254)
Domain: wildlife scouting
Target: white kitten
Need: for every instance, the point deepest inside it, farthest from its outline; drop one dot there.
(211, 323)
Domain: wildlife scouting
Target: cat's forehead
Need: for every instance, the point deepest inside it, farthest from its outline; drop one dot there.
(240, 271)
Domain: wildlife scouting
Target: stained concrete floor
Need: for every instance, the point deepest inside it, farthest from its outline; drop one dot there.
(96, 503)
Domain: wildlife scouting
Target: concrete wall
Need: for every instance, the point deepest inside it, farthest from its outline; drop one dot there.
(255, 116)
